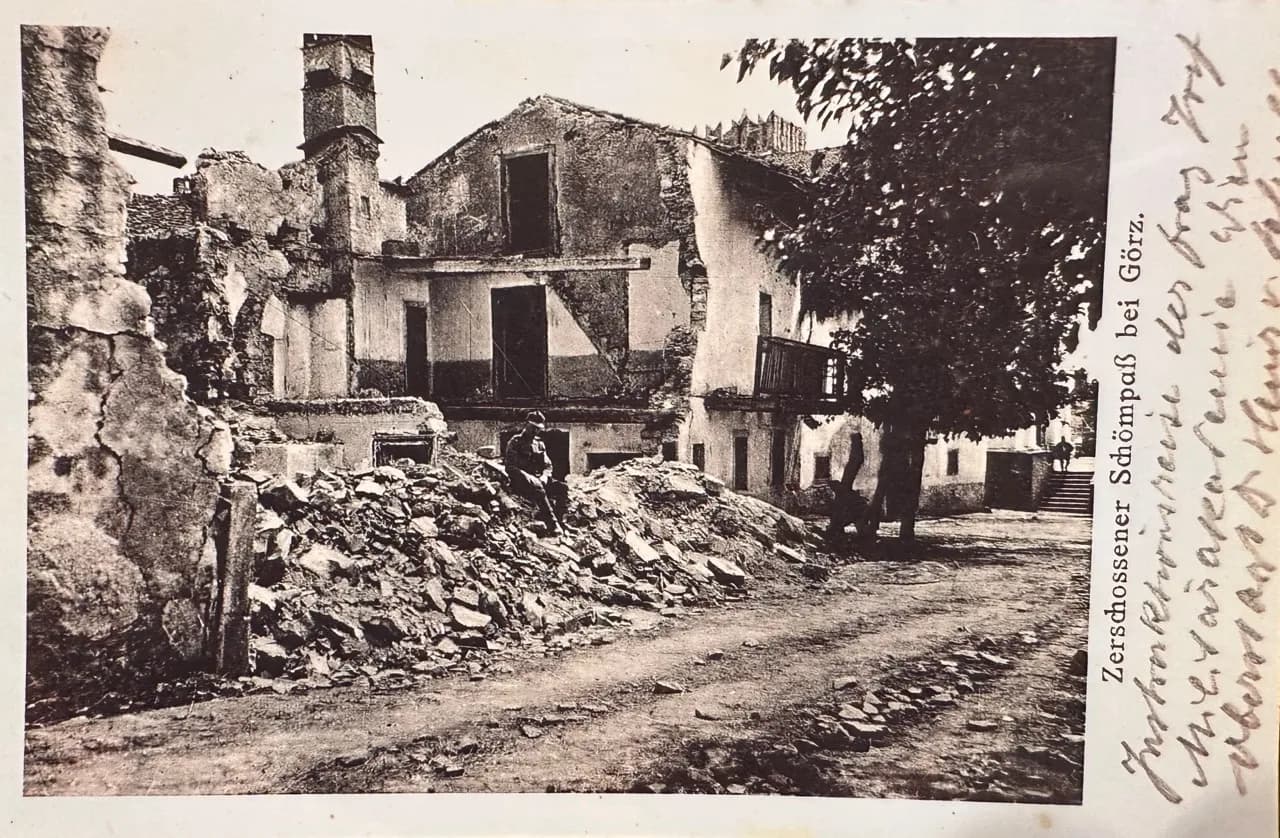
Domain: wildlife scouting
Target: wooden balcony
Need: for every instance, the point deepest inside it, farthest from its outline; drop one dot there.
(803, 373)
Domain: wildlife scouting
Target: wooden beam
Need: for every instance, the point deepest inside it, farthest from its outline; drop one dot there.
(145, 150)
(514, 264)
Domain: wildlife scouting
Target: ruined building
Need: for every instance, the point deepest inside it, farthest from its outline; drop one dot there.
(596, 267)
(259, 276)
(602, 269)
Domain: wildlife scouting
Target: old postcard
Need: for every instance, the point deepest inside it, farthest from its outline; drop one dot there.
(644, 418)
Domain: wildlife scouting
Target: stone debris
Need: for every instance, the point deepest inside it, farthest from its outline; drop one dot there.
(355, 758)
(815, 572)
(409, 572)
(982, 725)
(726, 571)
(667, 688)
(792, 555)
(445, 766)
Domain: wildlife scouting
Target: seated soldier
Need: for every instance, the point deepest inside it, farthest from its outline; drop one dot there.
(529, 471)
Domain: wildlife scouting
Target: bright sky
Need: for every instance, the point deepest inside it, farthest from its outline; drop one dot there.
(237, 86)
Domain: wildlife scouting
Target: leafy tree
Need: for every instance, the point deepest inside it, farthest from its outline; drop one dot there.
(960, 230)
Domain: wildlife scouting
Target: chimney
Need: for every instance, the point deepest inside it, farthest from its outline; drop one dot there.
(337, 94)
(766, 134)
(339, 129)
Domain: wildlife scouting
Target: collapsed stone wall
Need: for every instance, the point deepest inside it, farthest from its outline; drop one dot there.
(251, 235)
(226, 257)
(123, 469)
(209, 295)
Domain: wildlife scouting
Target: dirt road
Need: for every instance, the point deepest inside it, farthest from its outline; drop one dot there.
(977, 641)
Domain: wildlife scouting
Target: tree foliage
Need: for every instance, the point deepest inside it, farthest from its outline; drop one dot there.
(961, 228)
(964, 224)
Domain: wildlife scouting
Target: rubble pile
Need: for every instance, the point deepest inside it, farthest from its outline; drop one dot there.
(399, 573)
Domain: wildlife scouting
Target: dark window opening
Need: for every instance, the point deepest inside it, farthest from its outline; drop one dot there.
(417, 373)
(322, 77)
(700, 456)
(778, 459)
(388, 448)
(529, 203)
(519, 341)
(361, 79)
(609, 459)
(366, 207)
(953, 461)
(669, 451)
(821, 467)
(740, 460)
(766, 313)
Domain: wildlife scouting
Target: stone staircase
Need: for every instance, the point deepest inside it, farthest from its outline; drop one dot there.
(1070, 492)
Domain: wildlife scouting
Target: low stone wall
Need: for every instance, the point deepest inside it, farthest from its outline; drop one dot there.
(353, 422)
(952, 498)
(294, 458)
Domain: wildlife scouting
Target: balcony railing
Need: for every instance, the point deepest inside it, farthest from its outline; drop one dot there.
(790, 369)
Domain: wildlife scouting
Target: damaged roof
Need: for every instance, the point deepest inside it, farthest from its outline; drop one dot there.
(768, 162)
(808, 163)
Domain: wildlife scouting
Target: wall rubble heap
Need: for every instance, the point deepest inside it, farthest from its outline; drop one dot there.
(123, 470)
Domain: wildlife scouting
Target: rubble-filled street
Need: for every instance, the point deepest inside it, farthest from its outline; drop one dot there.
(956, 675)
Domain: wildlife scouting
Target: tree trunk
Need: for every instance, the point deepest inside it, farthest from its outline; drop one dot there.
(897, 480)
(912, 475)
(886, 478)
(842, 512)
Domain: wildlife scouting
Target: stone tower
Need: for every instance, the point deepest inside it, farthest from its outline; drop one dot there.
(337, 96)
(339, 130)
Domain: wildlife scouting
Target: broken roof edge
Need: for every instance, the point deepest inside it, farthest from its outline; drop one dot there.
(729, 151)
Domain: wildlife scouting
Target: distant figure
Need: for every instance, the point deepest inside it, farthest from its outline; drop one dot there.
(529, 470)
(1062, 453)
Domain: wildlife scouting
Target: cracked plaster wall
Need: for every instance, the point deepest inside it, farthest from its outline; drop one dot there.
(123, 469)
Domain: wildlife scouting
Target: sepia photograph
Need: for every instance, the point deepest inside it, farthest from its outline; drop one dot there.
(692, 417)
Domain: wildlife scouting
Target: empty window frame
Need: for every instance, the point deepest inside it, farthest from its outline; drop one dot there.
(528, 202)
(766, 313)
(821, 468)
(700, 456)
(953, 461)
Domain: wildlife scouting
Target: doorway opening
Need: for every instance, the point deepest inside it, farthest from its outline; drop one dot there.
(740, 461)
(519, 341)
(417, 370)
